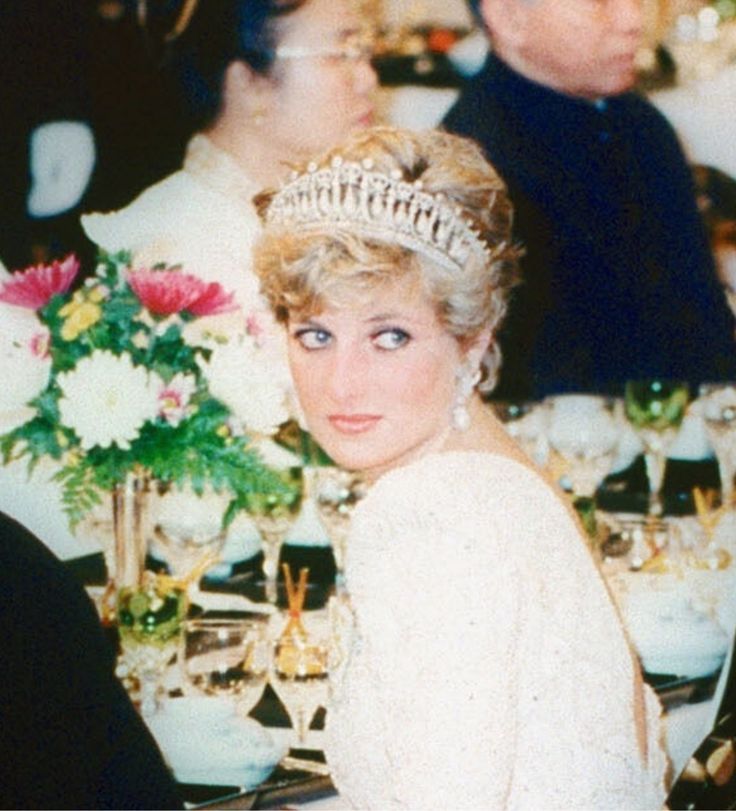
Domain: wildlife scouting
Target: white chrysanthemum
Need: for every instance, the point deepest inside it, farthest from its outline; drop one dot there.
(254, 390)
(25, 364)
(106, 399)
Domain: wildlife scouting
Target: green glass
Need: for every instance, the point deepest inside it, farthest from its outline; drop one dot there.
(150, 622)
(655, 408)
(656, 404)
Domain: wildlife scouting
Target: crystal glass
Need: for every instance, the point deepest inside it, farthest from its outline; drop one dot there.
(225, 657)
(526, 423)
(584, 431)
(300, 672)
(717, 403)
(336, 492)
(186, 529)
(274, 516)
(150, 619)
(655, 408)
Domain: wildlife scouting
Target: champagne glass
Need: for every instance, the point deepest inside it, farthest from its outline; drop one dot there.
(225, 657)
(336, 492)
(150, 619)
(718, 407)
(300, 672)
(655, 408)
(274, 515)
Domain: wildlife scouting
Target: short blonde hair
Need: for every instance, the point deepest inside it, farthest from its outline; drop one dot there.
(302, 271)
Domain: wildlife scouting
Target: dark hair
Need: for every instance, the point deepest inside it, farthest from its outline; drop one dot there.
(218, 33)
(474, 6)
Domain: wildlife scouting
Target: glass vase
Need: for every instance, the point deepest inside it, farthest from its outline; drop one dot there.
(130, 537)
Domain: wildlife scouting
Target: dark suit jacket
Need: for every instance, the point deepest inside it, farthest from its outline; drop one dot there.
(69, 735)
(618, 279)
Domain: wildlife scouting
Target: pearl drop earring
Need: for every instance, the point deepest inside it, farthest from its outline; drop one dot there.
(466, 382)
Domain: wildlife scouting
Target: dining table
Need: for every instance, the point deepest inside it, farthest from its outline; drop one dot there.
(301, 779)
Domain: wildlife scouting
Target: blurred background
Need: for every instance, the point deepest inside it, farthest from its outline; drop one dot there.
(88, 119)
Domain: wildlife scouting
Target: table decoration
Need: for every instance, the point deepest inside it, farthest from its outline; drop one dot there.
(135, 387)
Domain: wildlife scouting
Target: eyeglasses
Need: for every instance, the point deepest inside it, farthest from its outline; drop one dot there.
(347, 53)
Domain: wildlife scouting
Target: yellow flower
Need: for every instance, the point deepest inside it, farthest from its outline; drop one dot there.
(81, 313)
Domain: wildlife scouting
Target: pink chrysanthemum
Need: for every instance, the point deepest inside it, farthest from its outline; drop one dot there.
(34, 286)
(166, 292)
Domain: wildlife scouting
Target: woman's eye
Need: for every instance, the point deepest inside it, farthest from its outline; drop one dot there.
(391, 339)
(313, 338)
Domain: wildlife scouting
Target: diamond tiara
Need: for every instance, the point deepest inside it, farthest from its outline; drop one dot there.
(378, 206)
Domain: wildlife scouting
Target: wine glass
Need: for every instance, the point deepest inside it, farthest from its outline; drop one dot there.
(335, 493)
(150, 619)
(655, 408)
(225, 657)
(187, 529)
(718, 407)
(300, 672)
(584, 430)
(274, 515)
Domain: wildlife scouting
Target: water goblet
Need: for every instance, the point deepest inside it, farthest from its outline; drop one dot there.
(335, 493)
(150, 619)
(655, 408)
(300, 672)
(226, 658)
(584, 430)
(718, 407)
(273, 516)
(187, 529)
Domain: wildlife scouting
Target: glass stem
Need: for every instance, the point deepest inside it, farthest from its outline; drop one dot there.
(655, 463)
(726, 473)
(271, 554)
(149, 682)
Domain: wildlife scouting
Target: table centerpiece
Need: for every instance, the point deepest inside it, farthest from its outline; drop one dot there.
(127, 383)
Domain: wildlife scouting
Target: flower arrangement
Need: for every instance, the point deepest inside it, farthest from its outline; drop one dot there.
(129, 373)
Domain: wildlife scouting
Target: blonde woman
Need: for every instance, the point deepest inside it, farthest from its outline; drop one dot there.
(490, 668)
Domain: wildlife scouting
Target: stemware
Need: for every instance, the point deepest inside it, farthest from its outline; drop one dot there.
(186, 530)
(655, 408)
(300, 672)
(718, 408)
(150, 618)
(225, 657)
(335, 493)
(274, 516)
(584, 430)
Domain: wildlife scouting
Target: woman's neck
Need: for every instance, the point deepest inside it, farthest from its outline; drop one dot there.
(249, 146)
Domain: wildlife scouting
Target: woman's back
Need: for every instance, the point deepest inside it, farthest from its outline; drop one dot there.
(490, 662)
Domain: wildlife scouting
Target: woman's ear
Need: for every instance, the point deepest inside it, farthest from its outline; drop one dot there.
(476, 347)
(244, 90)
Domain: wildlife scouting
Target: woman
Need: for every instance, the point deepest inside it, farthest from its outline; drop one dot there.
(267, 83)
(490, 668)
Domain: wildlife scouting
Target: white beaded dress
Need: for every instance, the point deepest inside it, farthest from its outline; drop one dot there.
(489, 667)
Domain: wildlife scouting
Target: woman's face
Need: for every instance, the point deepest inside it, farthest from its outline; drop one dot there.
(376, 381)
(323, 84)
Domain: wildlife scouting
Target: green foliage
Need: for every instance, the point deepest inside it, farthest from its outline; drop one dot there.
(202, 448)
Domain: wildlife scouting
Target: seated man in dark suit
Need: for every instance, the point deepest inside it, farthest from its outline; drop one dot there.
(618, 278)
(69, 735)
